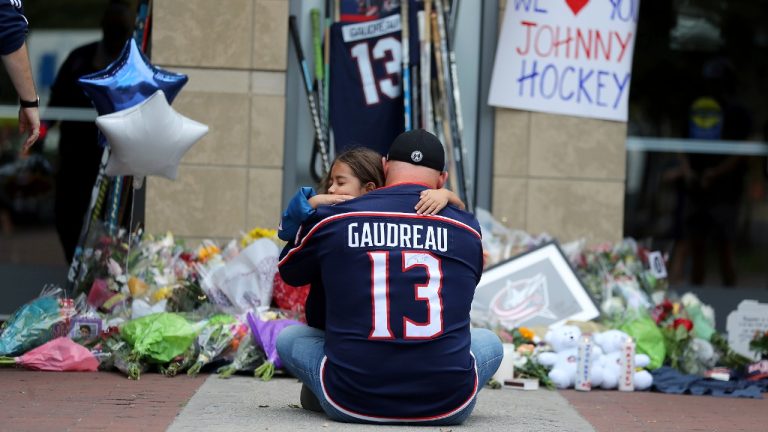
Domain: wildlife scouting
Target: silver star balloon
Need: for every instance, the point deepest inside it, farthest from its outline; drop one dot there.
(148, 139)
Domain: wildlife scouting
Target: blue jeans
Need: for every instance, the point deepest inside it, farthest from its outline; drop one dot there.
(301, 351)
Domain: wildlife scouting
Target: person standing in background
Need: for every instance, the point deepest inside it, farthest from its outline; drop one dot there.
(79, 149)
(13, 50)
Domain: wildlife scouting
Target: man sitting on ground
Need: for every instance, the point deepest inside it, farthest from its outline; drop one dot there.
(397, 346)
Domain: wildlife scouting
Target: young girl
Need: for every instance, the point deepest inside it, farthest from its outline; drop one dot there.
(353, 173)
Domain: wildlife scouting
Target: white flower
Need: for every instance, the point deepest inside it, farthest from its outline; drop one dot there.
(689, 299)
(612, 306)
(167, 241)
(519, 360)
(114, 268)
(708, 313)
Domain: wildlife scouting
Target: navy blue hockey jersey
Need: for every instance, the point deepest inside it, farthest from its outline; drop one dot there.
(13, 26)
(366, 104)
(366, 98)
(398, 289)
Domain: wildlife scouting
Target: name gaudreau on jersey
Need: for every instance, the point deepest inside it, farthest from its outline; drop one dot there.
(414, 236)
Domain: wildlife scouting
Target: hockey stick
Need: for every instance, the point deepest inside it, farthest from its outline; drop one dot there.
(459, 143)
(310, 95)
(327, 64)
(406, 64)
(449, 107)
(441, 114)
(318, 59)
(425, 36)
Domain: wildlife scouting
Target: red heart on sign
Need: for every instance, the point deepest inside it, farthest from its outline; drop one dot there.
(576, 5)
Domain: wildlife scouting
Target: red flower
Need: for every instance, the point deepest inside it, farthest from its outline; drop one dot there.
(661, 311)
(683, 322)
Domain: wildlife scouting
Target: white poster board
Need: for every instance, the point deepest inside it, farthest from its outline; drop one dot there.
(750, 317)
(536, 289)
(570, 57)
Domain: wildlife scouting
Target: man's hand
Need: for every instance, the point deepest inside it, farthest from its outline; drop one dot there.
(328, 199)
(29, 122)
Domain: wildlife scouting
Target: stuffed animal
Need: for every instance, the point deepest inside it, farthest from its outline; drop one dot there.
(564, 340)
(611, 342)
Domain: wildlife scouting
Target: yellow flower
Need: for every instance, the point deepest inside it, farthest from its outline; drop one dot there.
(675, 308)
(137, 287)
(256, 234)
(526, 333)
(162, 293)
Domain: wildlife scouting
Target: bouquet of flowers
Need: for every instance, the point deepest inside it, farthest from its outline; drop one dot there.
(688, 327)
(37, 322)
(290, 298)
(158, 338)
(619, 276)
(265, 334)
(214, 339)
(243, 283)
(59, 355)
(247, 357)
(759, 344)
(524, 360)
(181, 362)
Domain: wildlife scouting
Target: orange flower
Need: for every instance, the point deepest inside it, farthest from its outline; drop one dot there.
(207, 251)
(526, 333)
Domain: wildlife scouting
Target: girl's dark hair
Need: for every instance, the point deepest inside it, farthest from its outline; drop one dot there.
(364, 163)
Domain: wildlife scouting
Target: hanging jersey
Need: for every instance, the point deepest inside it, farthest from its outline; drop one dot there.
(398, 289)
(366, 105)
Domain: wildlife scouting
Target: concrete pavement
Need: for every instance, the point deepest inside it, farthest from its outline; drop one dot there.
(246, 404)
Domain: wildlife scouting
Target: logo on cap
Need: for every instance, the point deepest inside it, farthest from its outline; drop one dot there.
(416, 156)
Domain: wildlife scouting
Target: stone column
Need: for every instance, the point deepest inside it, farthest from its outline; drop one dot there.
(235, 55)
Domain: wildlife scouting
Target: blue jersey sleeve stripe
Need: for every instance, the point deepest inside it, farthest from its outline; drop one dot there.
(334, 218)
(383, 419)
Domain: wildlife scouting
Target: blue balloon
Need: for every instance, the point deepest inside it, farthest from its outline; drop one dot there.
(128, 81)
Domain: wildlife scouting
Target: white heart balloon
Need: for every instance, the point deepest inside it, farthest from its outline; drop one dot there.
(148, 139)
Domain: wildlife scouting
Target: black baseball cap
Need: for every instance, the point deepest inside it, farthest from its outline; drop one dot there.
(418, 147)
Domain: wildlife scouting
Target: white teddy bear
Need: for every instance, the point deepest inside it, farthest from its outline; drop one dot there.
(611, 342)
(564, 340)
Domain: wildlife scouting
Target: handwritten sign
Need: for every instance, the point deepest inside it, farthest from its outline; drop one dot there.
(748, 318)
(569, 57)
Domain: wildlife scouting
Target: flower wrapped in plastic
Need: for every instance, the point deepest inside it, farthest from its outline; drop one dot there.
(59, 355)
(214, 339)
(159, 338)
(247, 357)
(37, 322)
(181, 362)
(265, 334)
(290, 298)
(245, 282)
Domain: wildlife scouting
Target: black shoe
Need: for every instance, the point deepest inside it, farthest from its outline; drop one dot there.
(309, 400)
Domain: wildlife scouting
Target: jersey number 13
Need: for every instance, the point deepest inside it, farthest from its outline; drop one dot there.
(428, 293)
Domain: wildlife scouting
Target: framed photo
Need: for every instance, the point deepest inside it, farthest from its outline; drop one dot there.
(85, 329)
(536, 288)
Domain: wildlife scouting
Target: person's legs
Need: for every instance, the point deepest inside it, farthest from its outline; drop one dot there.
(301, 351)
(488, 352)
